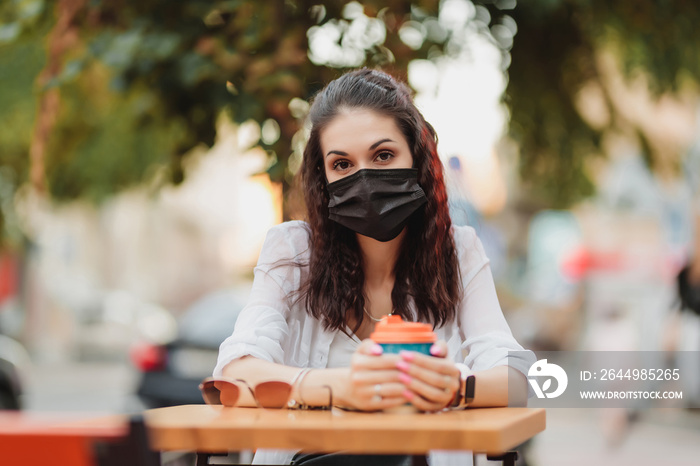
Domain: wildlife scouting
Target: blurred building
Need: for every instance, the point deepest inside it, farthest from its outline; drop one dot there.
(95, 272)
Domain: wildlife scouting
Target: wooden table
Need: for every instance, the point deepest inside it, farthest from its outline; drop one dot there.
(204, 428)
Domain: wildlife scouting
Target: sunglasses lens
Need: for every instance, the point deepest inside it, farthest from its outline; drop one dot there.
(219, 392)
(210, 393)
(273, 394)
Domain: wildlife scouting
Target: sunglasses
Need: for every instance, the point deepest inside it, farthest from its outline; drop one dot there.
(272, 394)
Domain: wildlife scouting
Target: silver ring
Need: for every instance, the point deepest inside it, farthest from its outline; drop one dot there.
(377, 398)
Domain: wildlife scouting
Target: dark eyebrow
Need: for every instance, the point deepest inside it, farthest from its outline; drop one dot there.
(381, 141)
(372, 147)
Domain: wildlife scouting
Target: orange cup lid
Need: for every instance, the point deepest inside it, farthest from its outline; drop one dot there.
(392, 329)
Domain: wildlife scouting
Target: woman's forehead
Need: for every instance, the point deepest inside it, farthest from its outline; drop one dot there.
(359, 128)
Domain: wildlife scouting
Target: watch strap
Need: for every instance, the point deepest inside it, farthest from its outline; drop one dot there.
(469, 389)
(465, 394)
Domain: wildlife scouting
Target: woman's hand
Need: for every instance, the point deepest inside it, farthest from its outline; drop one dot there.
(432, 381)
(374, 379)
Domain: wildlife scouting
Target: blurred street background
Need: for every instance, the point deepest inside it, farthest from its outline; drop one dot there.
(147, 146)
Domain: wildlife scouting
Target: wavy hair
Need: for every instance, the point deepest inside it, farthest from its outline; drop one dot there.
(427, 268)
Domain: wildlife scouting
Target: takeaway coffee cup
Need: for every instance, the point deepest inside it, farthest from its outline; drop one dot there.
(395, 335)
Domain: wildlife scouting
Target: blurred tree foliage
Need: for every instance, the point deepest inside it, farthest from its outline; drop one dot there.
(556, 53)
(140, 83)
(144, 82)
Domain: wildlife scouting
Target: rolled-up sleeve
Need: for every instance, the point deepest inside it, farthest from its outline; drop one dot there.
(261, 328)
(486, 336)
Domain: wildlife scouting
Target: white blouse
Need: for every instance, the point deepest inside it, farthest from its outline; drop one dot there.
(341, 350)
(274, 325)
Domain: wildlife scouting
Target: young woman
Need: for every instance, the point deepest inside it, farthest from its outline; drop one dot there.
(378, 240)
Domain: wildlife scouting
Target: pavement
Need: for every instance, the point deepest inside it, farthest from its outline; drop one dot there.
(575, 437)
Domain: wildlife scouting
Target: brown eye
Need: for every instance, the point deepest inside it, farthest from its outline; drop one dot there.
(341, 165)
(384, 156)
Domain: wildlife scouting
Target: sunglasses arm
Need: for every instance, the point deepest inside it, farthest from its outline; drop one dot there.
(252, 393)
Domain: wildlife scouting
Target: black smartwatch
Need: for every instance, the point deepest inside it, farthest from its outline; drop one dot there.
(467, 384)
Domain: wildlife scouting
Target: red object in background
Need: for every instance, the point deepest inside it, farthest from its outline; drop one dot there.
(39, 440)
(8, 276)
(582, 261)
(148, 357)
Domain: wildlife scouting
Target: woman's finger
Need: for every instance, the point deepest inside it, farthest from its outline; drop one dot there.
(439, 394)
(369, 347)
(360, 362)
(434, 380)
(441, 365)
(384, 390)
(375, 397)
(377, 404)
(422, 404)
(369, 370)
(436, 372)
(435, 376)
(439, 349)
(371, 377)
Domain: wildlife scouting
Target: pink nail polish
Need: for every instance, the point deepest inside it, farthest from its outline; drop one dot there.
(407, 394)
(405, 378)
(377, 350)
(435, 350)
(407, 355)
(403, 366)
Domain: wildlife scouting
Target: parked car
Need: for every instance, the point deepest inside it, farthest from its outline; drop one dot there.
(170, 373)
(11, 356)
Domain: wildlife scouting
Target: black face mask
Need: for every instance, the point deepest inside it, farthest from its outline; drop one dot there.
(376, 203)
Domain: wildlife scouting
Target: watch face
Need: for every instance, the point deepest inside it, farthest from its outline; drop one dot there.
(469, 388)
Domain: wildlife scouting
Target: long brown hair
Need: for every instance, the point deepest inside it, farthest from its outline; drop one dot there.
(427, 268)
